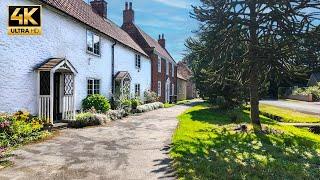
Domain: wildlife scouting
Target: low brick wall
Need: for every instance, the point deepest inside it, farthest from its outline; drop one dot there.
(307, 98)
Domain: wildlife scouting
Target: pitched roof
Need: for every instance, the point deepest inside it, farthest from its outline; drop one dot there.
(184, 71)
(154, 43)
(121, 75)
(179, 76)
(83, 12)
(52, 63)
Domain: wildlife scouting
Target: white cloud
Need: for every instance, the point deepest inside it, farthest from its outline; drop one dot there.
(183, 4)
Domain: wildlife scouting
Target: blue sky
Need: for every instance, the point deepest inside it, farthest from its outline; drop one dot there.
(170, 17)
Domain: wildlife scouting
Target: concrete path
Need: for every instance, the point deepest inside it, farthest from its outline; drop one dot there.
(300, 124)
(300, 106)
(133, 148)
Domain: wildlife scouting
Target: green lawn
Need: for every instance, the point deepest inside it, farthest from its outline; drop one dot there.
(168, 105)
(289, 115)
(205, 146)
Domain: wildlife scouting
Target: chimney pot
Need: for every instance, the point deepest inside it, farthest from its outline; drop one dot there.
(128, 14)
(100, 7)
(162, 41)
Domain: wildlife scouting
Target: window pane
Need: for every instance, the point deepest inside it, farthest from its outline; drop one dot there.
(96, 41)
(89, 41)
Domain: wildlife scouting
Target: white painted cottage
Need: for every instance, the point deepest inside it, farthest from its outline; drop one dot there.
(79, 53)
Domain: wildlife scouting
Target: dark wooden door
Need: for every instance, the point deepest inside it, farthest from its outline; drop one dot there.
(56, 98)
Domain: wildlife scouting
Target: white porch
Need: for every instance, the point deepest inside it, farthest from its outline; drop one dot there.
(56, 90)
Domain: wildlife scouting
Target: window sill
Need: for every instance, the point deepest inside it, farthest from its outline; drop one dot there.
(93, 54)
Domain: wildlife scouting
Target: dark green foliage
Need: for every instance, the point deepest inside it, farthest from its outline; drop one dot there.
(97, 101)
(135, 102)
(241, 45)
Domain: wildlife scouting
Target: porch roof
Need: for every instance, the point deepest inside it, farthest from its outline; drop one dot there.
(121, 75)
(51, 63)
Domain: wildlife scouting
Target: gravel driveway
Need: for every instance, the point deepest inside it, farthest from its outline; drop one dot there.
(133, 148)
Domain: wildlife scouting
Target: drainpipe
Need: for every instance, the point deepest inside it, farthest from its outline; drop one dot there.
(112, 67)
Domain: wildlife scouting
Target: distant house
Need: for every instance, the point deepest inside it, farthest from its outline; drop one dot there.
(163, 66)
(182, 87)
(186, 74)
(314, 79)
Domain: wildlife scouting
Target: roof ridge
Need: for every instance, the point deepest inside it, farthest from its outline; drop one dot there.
(83, 12)
(165, 53)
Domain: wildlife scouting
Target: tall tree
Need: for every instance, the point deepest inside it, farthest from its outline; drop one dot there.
(269, 30)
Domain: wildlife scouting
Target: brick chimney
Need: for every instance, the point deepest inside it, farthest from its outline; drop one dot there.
(128, 14)
(162, 41)
(100, 7)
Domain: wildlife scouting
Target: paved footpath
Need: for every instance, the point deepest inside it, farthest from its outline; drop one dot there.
(300, 106)
(133, 148)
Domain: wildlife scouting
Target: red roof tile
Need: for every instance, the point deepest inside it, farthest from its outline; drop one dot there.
(83, 12)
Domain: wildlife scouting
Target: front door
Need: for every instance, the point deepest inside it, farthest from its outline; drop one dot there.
(56, 98)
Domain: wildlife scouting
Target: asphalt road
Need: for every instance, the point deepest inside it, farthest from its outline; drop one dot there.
(300, 106)
(133, 148)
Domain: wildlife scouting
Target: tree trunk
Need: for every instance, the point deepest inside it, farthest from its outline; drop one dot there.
(254, 98)
(254, 67)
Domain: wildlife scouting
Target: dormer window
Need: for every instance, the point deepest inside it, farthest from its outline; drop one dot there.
(93, 43)
(138, 61)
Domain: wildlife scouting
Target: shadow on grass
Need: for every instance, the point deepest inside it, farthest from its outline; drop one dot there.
(247, 155)
(218, 152)
(220, 117)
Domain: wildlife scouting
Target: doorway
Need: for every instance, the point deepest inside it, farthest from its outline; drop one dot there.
(57, 116)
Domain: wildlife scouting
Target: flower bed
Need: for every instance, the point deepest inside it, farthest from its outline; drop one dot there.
(20, 128)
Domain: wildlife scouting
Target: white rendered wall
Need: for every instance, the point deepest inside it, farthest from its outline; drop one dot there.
(62, 37)
(125, 61)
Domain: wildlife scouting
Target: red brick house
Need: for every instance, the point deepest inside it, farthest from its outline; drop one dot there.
(164, 67)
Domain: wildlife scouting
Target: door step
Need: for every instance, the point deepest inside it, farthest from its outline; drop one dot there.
(58, 126)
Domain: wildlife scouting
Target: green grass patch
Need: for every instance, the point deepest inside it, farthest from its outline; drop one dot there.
(288, 115)
(168, 105)
(206, 146)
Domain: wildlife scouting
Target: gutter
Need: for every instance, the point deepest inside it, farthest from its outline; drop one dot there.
(112, 66)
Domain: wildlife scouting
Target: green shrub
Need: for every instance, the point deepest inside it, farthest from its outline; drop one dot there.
(135, 102)
(97, 101)
(88, 119)
(313, 90)
(149, 107)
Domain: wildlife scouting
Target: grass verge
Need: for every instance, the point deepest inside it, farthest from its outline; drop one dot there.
(168, 105)
(205, 146)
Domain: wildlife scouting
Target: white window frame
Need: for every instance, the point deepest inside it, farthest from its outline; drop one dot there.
(159, 64)
(172, 70)
(93, 36)
(94, 84)
(172, 89)
(137, 90)
(159, 88)
(138, 61)
(167, 67)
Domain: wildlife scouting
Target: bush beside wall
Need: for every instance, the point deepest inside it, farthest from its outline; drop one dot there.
(149, 107)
